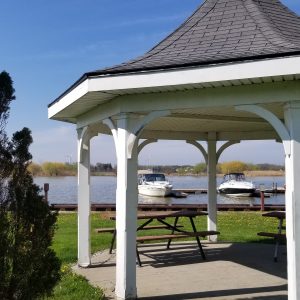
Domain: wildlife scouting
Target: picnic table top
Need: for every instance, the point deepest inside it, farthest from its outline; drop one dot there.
(275, 214)
(164, 214)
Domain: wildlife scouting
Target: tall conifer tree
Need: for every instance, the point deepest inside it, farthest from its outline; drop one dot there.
(29, 267)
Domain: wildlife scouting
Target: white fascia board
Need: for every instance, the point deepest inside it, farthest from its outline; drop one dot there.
(178, 77)
(217, 73)
(68, 99)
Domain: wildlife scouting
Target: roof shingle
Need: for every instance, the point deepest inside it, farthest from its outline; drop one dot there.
(222, 30)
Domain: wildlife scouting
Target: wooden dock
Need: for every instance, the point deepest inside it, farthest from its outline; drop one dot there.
(170, 207)
(191, 191)
(279, 190)
(198, 207)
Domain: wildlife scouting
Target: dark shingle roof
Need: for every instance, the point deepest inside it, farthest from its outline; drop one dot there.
(220, 31)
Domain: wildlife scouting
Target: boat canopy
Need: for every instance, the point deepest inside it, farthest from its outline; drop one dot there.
(234, 176)
(152, 177)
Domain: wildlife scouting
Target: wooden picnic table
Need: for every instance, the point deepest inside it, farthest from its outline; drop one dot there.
(278, 236)
(177, 231)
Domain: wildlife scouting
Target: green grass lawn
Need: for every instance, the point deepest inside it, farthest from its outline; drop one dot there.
(234, 227)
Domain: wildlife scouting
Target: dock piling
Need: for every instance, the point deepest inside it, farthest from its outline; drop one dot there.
(46, 190)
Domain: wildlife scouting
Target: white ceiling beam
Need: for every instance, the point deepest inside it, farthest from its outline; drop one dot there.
(98, 114)
(173, 135)
(212, 97)
(217, 118)
(202, 98)
(247, 135)
(202, 136)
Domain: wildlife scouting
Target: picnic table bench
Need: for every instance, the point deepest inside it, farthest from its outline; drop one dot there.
(177, 231)
(114, 232)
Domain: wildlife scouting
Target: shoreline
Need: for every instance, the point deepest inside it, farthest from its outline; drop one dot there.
(259, 173)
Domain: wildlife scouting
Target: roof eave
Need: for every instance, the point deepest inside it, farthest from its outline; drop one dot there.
(109, 72)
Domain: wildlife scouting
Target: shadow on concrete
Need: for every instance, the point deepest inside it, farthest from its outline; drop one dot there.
(228, 293)
(247, 254)
(231, 271)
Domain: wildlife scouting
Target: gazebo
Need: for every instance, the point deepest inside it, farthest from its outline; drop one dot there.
(230, 72)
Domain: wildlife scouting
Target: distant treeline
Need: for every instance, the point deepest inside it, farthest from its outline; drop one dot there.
(67, 169)
(222, 168)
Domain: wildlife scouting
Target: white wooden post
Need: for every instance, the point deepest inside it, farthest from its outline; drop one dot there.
(212, 184)
(126, 134)
(292, 171)
(126, 212)
(290, 136)
(84, 251)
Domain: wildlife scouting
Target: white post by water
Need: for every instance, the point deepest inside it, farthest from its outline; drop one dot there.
(126, 210)
(292, 168)
(212, 185)
(84, 251)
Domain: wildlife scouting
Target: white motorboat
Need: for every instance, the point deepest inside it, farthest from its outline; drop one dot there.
(154, 185)
(235, 184)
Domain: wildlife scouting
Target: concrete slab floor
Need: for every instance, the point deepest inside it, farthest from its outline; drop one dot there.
(231, 272)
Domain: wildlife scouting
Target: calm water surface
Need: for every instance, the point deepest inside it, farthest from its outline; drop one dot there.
(103, 190)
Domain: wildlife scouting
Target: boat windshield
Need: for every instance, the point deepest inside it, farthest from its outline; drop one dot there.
(153, 177)
(234, 176)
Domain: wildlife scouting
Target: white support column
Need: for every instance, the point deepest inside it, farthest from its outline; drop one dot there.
(84, 251)
(211, 157)
(290, 136)
(126, 133)
(292, 171)
(126, 210)
(212, 184)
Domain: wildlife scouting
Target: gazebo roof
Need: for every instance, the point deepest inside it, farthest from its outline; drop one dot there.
(222, 31)
(210, 64)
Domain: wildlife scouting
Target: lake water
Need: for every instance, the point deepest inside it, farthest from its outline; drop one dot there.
(103, 190)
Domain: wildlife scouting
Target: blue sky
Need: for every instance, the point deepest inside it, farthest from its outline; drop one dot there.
(47, 45)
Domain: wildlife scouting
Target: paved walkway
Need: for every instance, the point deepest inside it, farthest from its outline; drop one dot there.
(231, 271)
